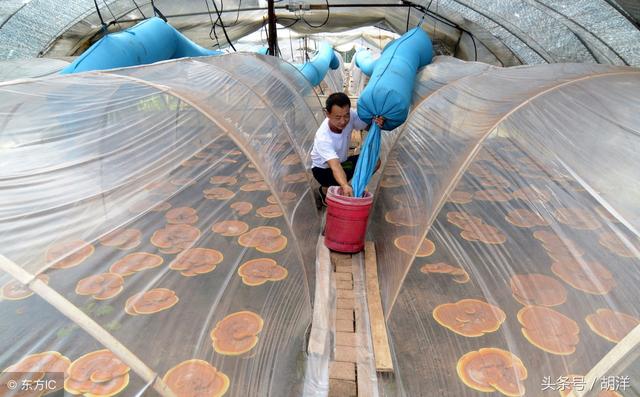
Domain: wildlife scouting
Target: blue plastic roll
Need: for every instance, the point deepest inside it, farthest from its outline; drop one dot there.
(388, 94)
(149, 41)
(315, 70)
(365, 62)
(390, 88)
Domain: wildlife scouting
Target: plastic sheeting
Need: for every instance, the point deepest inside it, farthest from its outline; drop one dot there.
(167, 210)
(506, 225)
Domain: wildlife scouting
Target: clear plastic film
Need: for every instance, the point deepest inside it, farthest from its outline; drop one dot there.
(507, 232)
(167, 207)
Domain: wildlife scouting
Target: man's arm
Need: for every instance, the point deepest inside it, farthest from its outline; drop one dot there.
(340, 176)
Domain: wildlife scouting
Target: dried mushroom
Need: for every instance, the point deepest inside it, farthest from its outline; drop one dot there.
(409, 244)
(460, 275)
(469, 317)
(237, 333)
(549, 330)
(270, 211)
(217, 193)
(101, 286)
(152, 301)
(97, 374)
(122, 239)
(135, 262)
(182, 215)
(15, 290)
(613, 326)
(174, 238)
(68, 254)
(196, 261)
(265, 239)
(537, 289)
(259, 271)
(230, 228)
(196, 378)
(492, 369)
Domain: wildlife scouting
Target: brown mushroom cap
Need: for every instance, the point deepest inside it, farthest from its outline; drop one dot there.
(99, 373)
(15, 290)
(242, 207)
(230, 228)
(460, 275)
(402, 216)
(495, 195)
(537, 289)
(291, 159)
(605, 214)
(469, 317)
(182, 215)
(174, 238)
(532, 194)
(253, 176)
(49, 361)
(612, 326)
(497, 181)
(270, 211)
(223, 180)
(152, 301)
(196, 378)
(237, 333)
(265, 239)
(484, 233)
(122, 239)
(460, 197)
(479, 170)
(587, 276)
(255, 186)
(525, 218)
(409, 243)
(218, 193)
(285, 197)
(577, 218)
(391, 181)
(492, 369)
(615, 243)
(549, 330)
(101, 286)
(259, 271)
(135, 262)
(161, 187)
(558, 248)
(295, 178)
(195, 261)
(462, 219)
(68, 254)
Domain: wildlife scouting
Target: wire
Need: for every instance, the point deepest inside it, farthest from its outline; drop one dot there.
(323, 23)
(104, 25)
(112, 15)
(139, 10)
(213, 26)
(224, 30)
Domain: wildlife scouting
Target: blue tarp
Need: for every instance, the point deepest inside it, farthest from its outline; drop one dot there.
(149, 41)
(315, 70)
(388, 94)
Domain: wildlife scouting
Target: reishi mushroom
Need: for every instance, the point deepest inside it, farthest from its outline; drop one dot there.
(196, 378)
(237, 333)
(258, 271)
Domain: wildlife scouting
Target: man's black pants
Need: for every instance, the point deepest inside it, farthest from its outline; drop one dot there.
(325, 178)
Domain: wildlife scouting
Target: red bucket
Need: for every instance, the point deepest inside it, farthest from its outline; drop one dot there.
(346, 221)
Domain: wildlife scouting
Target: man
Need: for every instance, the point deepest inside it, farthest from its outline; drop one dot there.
(330, 160)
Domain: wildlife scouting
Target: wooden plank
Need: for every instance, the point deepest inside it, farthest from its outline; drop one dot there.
(622, 355)
(379, 337)
(321, 317)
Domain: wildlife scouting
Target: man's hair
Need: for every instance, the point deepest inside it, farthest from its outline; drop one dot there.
(340, 99)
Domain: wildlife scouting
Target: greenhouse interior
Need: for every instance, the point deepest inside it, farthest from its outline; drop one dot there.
(164, 231)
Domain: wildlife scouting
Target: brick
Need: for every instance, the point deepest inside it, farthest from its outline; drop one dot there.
(342, 388)
(344, 303)
(344, 276)
(345, 294)
(342, 370)
(343, 269)
(346, 353)
(346, 339)
(344, 284)
(344, 326)
(344, 314)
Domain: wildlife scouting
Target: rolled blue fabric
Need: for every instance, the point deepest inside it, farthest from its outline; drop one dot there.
(147, 42)
(390, 88)
(365, 62)
(315, 70)
(388, 94)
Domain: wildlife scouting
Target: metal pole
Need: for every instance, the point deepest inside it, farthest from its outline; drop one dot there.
(273, 31)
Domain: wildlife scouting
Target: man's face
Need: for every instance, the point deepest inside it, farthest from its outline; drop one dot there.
(338, 117)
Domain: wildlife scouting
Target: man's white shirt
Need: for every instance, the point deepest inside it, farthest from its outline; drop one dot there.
(328, 145)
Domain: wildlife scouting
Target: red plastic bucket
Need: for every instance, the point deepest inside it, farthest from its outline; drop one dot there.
(346, 221)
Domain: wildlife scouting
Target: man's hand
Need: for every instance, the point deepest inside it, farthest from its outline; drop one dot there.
(347, 190)
(379, 120)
